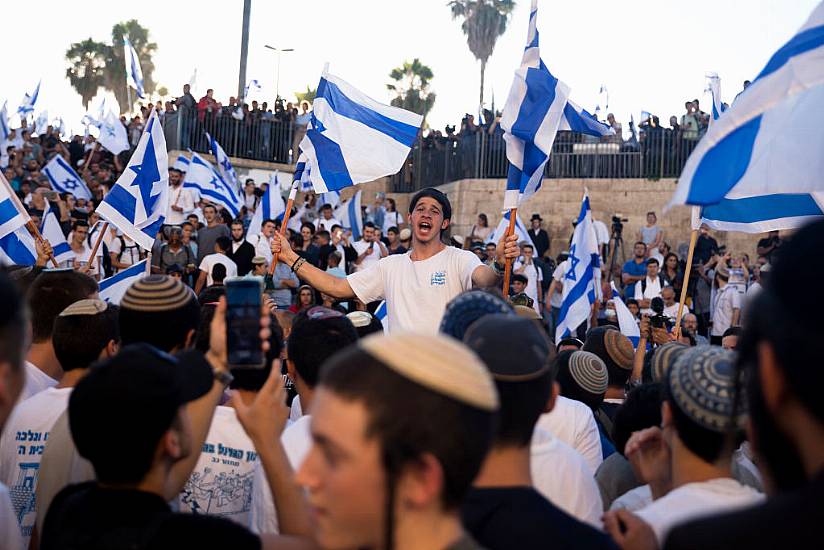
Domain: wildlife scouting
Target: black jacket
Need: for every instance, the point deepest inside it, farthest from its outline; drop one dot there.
(243, 257)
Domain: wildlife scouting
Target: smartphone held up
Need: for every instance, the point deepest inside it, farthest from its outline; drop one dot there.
(243, 301)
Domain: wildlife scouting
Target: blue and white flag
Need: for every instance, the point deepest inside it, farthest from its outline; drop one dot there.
(350, 216)
(51, 231)
(530, 119)
(113, 288)
(520, 230)
(352, 138)
(582, 281)
(380, 314)
(113, 134)
(331, 198)
(182, 164)
(64, 179)
(137, 203)
(211, 185)
(253, 85)
(271, 207)
(27, 104)
(224, 167)
(758, 168)
(41, 124)
(626, 322)
(4, 123)
(714, 87)
(578, 119)
(134, 76)
(12, 214)
(17, 248)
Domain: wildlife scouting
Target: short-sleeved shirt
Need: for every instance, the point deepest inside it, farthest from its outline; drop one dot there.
(727, 300)
(282, 295)
(633, 269)
(371, 258)
(209, 262)
(649, 234)
(416, 292)
(207, 237)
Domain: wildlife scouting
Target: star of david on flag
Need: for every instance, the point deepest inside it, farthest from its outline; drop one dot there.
(64, 179)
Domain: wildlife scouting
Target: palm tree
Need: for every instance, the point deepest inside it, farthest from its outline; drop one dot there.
(87, 65)
(116, 64)
(483, 22)
(412, 87)
(308, 95)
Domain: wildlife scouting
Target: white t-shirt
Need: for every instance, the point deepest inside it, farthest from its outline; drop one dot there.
(695, 500)
(601, 232)
(36, 381)
(182, 197)
(327, 224)
(416, 293)
(297, 440)
(371, 258)
(533, 276)
(263, 246)
(21, 447)
(130, 254)
(727, 300)
(573, 423)
(391, 219)
(653, 290)
(208, 262)
(221, 482)
(672, 311)
(634, 499)
(83, 257)
(8, 522)
(561, 474)
(557, 298)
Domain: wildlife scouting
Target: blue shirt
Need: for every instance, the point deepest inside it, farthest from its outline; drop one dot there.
(634, 270)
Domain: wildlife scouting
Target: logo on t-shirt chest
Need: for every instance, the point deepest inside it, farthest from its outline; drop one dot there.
(438, 278)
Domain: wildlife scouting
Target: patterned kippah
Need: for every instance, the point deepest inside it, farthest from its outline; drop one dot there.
(467, 308)
(589, 372)
(438, 363)
(156, 293)
(663, 358)
(91, 306)
(702, 384)
(619, 349)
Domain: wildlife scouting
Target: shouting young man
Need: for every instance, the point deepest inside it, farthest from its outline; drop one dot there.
(416, 285)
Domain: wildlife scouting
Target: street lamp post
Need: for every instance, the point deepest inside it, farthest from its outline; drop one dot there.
(277, 79)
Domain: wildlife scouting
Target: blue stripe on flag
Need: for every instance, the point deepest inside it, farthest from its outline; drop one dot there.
(8, 210)
(61, 248)
(577, 291)
(342, 105)
(330, 160)
(799, 44)
(540, 93)
(121, 276)
(761, 208)
(353, 219)
(724, 165)
(17, 250)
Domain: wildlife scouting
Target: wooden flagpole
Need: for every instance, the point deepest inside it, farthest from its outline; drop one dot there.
(289, 204)
(88, 161)
(693, 240)
(30, 225)
(97, 242)
(513, 213)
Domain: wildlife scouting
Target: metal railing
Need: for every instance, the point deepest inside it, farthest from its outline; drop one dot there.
(251, 138)
(660, 153)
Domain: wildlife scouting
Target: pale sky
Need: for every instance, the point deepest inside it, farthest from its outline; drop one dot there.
(651, 54)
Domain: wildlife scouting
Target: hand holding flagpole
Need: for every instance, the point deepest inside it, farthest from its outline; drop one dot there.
(508, 261)
(30, 225)
(289, 204)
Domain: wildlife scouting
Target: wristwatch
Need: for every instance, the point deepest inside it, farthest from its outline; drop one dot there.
(223, 376)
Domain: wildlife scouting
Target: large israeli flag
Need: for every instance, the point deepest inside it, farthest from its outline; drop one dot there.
(626, 322)
(137, 203)
(113, 288)
(203, 177)
(113, 134)
(350, 216)
(134, 76)
(64, 179)
(352, 138)
(520, 230)
(51, 231)
(582, 280)
(27, 104)
(759, 166)
(182, 164)
(224, 166)
(530, 119)
(17, 248)
(12, 214)
(5, 129)
(271, 207)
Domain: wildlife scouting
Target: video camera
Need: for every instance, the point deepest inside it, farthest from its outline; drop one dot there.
(618, 225)
(659, 320)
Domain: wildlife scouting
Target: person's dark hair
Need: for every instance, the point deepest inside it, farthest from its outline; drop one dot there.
(632, 301)
(394, 230)
(79, 339)
(517, 277)
(433, 193)
(296, 240)
(311, 226)
(314, 340)
(528, 245)
(218, 273)
(640, 410)
(79, 223)
(400, 414)
(667, 257)
(13, 324)
(391, 201)
(733, 331)
(52, 292)
(706, 444)
(369, 224)
(239, 222)
(483, 217)
(521, 404)
(267, 220)
(225, 243)
(212, 206)
(641, 243)
(326, 206)
(323, 234)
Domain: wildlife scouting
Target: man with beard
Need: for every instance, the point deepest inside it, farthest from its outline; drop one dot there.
(181, 201)
(242, 252)
(417, 285)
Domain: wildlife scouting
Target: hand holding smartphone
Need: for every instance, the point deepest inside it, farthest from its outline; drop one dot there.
(243, 304)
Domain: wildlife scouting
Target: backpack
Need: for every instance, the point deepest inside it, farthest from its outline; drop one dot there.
(661, 283)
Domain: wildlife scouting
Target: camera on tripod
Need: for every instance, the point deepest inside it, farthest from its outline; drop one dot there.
(618, 225)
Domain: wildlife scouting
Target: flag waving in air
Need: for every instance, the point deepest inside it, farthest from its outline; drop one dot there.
(4, 123)
(349, 214)
(224, 167)
(626, 322)
(271, 207)
(113, 288)
(520, 230)
(64, 179)
(134, 76)
(201, 175)
(113, 134)
(352, 138)
(137, 203)
(27, 105)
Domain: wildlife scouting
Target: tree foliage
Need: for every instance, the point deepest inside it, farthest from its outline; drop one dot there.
(411, 86)
(308, 95)
(87, 66)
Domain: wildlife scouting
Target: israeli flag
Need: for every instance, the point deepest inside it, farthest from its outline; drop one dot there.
(520, 230)
(578, 119)
(350, 216)
(583, 279)
(332, 198)
(352, 138)
(182, 164)
(64, 179)
(12, 214)
(113, 288)
(252, 85)
(137, 203)
(224, 167)
(27, 105)
(203, 177)
(113, 134)
(303, 174)
(271, 207)
(134, 76)
(4, 123)
(759, 166)
(17, 248)
(530, 119)
(41, 124)
(380, 314)
(626, 322)
(52, 232)
(714, 87)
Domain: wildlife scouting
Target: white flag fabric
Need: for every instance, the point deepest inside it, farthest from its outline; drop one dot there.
(758, 168)
(4, 123)
(113, 288)
(715, 91)
(41, 123)
(578, 119)
(352, 138)
(331, 198)
(626, 322)
(12, 214)
(64, 179)
(134, 75)
(271, 207)
(203, 177)
(350, 216)
(582, 280)
(520, 230)
(138, 202)
(224, 166)
(27, 104)
(52, 232)
(182, 164)
(113, 134)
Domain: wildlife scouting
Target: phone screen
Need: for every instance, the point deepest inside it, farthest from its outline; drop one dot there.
(243, 299)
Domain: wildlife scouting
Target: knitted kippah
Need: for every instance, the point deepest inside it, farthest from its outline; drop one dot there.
(588, 372)
(467, 308)
(156, 293)
(619, 349)
(663, 358)
(91, 306)
(438, 363)
(702, 385)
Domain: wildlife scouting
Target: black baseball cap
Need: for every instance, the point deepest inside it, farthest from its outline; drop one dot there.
(513, 348)
(133, 396)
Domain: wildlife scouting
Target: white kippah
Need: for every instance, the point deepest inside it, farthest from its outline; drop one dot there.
(91, 306)
(360, 318)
